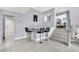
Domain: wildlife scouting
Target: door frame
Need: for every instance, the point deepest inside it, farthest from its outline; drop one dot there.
(3, 26)
(68, 24)
(68, 17)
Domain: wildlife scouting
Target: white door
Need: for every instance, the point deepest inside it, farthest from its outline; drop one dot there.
(9, 26)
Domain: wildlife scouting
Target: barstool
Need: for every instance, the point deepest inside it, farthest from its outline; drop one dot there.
(28, 31)
(46, 32)
(40, 32)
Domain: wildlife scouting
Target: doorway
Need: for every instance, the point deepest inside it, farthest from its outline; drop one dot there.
(8, 27)
(77, 32)
(63, 23)
(62, 20)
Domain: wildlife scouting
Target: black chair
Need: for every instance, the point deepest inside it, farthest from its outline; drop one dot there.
(28, 31)
(46, 32)
(40, 32)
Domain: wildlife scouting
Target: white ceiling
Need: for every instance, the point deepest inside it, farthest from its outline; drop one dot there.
(42, 9)
(25, 9)
(16, 9)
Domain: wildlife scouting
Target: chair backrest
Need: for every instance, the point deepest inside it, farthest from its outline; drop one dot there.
(47, 29)
(42, 29)
(26, 29)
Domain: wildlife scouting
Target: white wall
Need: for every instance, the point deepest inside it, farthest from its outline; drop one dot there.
(50, 24)
(28, 18)
(19, 30)
(47, 13)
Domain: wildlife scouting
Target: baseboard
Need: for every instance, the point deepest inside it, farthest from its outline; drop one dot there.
(22, 37)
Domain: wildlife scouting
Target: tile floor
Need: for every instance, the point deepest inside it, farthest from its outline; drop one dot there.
(27, 45)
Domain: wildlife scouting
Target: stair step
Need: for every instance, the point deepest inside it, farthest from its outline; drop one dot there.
(64, 40)
(60, 34)
(60, 37)
(59, 31)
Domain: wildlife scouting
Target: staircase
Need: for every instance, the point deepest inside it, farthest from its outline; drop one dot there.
(60, 34)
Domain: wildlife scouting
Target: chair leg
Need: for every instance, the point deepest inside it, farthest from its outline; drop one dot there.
(40, 40)
(30, 36)
(46, 34)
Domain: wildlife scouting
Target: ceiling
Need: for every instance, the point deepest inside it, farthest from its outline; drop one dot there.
(25, 9)
(42, 9)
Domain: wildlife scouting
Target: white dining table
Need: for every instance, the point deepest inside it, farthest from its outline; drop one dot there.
(34, 35)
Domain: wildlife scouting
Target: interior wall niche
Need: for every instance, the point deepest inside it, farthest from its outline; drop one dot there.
(48, 18)
(35, 18)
